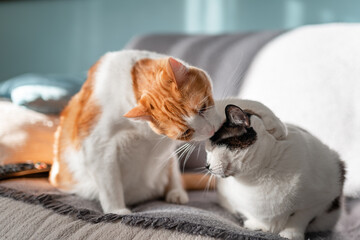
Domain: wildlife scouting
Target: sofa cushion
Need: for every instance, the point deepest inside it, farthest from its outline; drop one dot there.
(42, 93)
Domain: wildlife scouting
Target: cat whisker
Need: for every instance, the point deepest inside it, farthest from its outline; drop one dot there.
(159, 143)
(207, 188)
(182, 149)
(198, 152)
(217, 167)
(200, 169)
(191, 149)
(187, 150)
(205, 175)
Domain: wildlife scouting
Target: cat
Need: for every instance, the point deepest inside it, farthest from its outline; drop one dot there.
(117, 135)
(282, 185)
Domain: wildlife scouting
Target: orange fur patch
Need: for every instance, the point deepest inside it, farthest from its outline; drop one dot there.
(76, 123)
(197, 181)
(157, 92)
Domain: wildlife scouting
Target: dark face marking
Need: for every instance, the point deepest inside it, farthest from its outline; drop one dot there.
(230, 137)
(342, 172)
(236, 132)
(335, 205)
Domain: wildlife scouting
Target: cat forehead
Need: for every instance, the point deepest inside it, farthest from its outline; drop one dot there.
(197, 80)
(195, 90)
(233, 137)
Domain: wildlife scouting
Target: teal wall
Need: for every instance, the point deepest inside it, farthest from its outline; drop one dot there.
(67, 36)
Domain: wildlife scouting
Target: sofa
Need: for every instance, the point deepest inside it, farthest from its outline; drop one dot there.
(32, 209)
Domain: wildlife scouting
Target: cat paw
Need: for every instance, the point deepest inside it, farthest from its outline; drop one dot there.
(292, 235)
(276, 128)
(255, 225)
(178, 196)
(121, 211)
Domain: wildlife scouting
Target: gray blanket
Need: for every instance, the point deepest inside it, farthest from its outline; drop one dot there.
(26, 204)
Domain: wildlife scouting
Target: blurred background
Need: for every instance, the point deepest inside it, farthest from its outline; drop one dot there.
(67, 36)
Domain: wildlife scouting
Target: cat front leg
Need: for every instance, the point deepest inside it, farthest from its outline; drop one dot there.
(109, 181)
(175, 192)
(297, 223)
(255, 225)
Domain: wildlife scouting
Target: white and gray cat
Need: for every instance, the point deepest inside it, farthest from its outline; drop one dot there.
(278, 176)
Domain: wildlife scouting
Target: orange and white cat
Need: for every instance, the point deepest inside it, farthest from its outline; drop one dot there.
(117, 136)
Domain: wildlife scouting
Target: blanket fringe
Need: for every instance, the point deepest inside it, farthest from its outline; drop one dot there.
(49, 201)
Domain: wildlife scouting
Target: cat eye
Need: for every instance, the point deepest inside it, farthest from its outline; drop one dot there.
(202, 109)
(187, 132)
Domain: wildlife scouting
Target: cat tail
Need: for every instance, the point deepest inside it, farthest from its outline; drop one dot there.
(328, 219)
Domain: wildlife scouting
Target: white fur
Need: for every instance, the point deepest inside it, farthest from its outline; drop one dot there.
(272, 178)
(310, 76)
(124, 162)
(206, 124)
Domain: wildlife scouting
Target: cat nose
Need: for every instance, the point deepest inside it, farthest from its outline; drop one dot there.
(207, 166)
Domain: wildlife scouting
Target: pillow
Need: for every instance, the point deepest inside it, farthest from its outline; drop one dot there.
(42, 93)
(25, 135)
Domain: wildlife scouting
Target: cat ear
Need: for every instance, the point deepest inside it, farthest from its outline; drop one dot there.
(178, 70)
(139, 113)
(236, 116)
